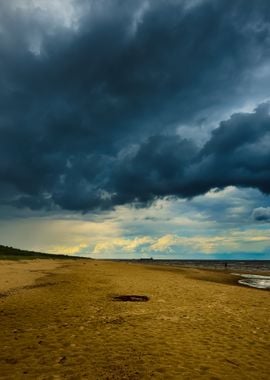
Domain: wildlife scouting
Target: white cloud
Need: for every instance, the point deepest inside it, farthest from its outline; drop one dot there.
(64, 13)
(138, 17)
(164, 243)
(120, 245)
(39, 18)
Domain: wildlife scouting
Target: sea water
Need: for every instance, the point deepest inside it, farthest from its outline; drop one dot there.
(254, 280)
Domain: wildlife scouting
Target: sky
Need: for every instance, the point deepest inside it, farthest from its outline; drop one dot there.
(136, 129)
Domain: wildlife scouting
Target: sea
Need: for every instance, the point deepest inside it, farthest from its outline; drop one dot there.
(254, 273)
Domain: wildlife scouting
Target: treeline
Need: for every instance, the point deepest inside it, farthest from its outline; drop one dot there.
(10, 253)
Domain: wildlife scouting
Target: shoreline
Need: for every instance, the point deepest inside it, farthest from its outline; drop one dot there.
(218, 276)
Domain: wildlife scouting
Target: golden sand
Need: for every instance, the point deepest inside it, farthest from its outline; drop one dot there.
(197, 324)
(16, 274)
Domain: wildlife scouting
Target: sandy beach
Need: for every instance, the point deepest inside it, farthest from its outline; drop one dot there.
(59, 320)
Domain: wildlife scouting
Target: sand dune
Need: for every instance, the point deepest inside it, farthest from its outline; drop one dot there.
(67, 325)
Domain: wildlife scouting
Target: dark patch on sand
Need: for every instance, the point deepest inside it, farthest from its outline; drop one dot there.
(29, 287)
(130, 298)
(41, 285)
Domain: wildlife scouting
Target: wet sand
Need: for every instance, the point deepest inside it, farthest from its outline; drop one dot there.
(59, 320)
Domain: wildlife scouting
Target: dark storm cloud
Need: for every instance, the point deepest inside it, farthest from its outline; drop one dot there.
(88, 116)
(261, 214)
(237, 154)
(157, 169)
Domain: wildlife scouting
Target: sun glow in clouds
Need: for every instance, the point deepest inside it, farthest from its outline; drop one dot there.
(169, 228)
(174, 245)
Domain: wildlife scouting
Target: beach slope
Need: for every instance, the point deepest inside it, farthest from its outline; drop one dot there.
(60, 320)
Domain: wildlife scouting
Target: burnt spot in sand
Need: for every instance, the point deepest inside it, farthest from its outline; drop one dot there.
(130, 298)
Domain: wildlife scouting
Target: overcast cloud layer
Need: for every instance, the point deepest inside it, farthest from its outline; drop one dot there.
(112, 103)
